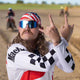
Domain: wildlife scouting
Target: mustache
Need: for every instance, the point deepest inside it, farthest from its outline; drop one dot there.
(28, 31)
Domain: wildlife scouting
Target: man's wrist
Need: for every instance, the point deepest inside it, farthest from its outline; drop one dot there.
(57, 42)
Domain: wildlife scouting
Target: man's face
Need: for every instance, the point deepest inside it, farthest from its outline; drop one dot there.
(28, 33)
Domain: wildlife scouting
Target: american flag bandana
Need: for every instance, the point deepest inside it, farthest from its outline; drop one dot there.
(31, 16)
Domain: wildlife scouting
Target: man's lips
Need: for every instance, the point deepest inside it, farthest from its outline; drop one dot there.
(26, 32)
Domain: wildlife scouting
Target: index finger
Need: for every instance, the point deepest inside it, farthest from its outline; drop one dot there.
(66, 20)
(51, 21)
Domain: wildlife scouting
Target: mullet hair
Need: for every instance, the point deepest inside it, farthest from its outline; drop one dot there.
(41, 43)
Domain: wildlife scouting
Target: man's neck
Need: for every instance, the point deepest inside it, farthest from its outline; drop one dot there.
(31, 43)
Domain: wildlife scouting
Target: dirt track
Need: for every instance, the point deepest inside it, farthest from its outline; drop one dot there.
(7, 35)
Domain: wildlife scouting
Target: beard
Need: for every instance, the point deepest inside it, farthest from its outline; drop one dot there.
(38, 43)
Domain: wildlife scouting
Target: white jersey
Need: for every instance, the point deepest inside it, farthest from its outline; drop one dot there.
(24, 65)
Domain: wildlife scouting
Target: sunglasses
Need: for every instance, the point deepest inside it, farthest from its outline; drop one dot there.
(31, 24)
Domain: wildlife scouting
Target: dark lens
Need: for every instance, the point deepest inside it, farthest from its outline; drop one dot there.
(32, 24)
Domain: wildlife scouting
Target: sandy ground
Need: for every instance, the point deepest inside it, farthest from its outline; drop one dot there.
(7, 35)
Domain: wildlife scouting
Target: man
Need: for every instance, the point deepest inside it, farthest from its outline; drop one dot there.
(11, 15)
(11, 12)
(61, 11)
(30, 57)
(66, 11)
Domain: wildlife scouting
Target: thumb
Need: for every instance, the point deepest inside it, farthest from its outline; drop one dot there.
(41, 30)
(72, 26)
(62, 27)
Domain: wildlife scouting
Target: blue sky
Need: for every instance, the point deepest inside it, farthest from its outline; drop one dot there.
(48, 1)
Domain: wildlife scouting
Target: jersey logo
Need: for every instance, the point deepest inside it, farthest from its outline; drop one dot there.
(12, 54)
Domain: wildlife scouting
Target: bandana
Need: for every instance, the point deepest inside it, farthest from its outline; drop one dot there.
(31, 16)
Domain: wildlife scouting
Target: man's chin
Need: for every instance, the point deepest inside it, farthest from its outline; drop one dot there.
(28, 39)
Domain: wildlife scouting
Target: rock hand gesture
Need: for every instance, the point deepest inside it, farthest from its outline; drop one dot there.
(52, 31)
(67, 30)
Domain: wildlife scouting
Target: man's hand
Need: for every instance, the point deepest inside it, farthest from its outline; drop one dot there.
(52, 32)
(67, 30)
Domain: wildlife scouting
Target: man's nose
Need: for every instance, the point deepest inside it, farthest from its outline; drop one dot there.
(27, 27)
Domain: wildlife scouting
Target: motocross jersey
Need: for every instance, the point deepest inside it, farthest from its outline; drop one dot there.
(24, 65)
(66, 9)
(11, 13)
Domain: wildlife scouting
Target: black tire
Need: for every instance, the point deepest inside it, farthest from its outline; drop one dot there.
(8, 25)
(12, 26)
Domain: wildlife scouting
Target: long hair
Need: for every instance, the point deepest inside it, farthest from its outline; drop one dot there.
(41, 43)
